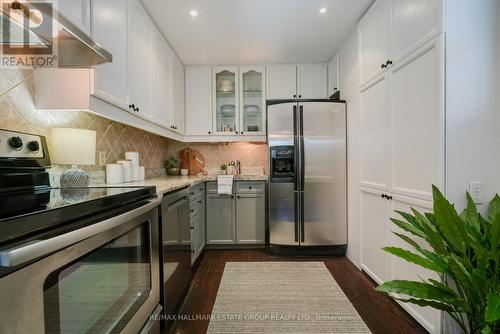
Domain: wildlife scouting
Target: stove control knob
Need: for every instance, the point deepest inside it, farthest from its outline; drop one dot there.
(33, 146)
(16, 143)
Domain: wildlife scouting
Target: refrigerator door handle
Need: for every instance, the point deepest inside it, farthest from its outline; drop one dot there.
(302, 152)
(295, 150)
(302, 224)
(296, 214)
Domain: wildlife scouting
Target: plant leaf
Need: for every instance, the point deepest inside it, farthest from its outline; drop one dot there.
(492, 307)
(408, 228)
(494, 208)
(451, 225)
(417, 290)
(431, 303)
(414, 258)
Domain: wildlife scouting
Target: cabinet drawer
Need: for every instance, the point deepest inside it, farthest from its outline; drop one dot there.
(197, 191)
(211, 187)
(250, 187)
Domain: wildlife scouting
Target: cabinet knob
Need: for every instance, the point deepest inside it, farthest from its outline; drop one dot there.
(300, 96)
(238, 196)
(199, 202)
(236, 132)
(191, 193)
(383, 195)
(334, 88)
(249, 187)
(294, 95)
(209, 132)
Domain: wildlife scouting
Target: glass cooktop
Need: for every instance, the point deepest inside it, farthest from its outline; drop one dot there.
(28, 211)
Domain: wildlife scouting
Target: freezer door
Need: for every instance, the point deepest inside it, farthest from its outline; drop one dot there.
(283, 196)
(280, 124)
(324, 197)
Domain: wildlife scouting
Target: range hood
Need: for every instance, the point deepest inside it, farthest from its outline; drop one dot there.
(74, 48)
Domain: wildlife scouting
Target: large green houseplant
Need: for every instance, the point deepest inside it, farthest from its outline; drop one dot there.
(464, 249)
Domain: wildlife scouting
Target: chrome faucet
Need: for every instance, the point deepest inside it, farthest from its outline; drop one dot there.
(236, 165)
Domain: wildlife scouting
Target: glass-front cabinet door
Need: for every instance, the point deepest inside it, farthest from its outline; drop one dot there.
(253, 101)
(226, 101)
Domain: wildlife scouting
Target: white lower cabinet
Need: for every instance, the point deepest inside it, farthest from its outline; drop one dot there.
(375, 234)
(400, 269)
(197, 220)
(377, 208)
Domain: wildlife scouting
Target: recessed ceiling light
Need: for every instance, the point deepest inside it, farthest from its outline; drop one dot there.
(194, 13)
(323, 10)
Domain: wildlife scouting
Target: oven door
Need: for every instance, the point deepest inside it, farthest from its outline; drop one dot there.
(106, 283)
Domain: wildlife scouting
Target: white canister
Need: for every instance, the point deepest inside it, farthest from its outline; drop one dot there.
(142, 173)
(134, 158)
(127, 169)
(114, 173)
(184, 172)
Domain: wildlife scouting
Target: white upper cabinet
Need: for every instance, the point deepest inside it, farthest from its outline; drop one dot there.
(177, 95)
(297, 81)
(110, 29)
(162, 74)
(142, 34)
(78, 12)
(373, 32)
(413, 22)
(281, 82)
(333, 75)
(198, 100)
(312, 81)
(226, 100)
(417, 109)
(252, 100)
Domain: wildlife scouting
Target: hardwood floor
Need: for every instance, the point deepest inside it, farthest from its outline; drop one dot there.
(380, 313)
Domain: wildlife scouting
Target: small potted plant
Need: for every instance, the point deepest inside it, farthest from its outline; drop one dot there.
(223, 169)
(172, 165)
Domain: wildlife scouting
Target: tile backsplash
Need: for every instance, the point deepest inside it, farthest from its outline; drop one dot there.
(18, 113)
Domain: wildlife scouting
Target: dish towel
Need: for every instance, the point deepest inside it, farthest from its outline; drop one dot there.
(225, 184)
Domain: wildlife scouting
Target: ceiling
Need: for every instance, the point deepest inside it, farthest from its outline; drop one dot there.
(255, 31)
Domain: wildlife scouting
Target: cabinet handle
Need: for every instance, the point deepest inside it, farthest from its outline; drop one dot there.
(130, 106)
(383, 66)
(192, 227)
(383, 195)
(192, 251)
(389, 197)
(191, 193)
(192, 210)
(199, 202)
(389, 62)
(334, 88)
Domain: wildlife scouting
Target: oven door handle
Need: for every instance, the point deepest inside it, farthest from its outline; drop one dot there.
(35, 249)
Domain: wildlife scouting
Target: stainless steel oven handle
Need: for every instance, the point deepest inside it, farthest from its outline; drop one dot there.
(35, 249)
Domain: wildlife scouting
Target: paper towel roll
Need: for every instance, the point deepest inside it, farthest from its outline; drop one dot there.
(127, 169)
(134, 158)
(114, 173)
(142, 173)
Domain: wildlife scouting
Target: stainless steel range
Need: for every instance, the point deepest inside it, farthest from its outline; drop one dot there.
(73, 260)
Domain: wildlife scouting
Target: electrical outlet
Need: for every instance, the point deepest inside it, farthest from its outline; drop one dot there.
(102, 158)
(476, 191)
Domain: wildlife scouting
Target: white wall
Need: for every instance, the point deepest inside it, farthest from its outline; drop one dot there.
(472, 101)
(349, 89)
(472, 97)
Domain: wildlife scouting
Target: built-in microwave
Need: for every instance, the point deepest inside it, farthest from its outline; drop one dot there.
(104, 278)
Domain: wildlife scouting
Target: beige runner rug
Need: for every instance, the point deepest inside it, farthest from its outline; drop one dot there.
(282, 297)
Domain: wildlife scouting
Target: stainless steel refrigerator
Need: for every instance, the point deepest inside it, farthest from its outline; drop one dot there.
(308, 175)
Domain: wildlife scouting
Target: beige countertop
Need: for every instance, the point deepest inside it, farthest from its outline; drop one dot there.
(168, 184)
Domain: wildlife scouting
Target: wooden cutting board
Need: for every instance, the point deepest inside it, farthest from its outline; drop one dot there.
(192, 160)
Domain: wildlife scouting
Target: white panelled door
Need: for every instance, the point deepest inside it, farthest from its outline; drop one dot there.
(142, 59)
(374, 234)
(417, 109)
(413, 22)
(373, 41)
(375, 135)
(178, 95)
(198, 101)
(162, 74)
(281, 82)
(312, 81)
(78, 12)
(401, 269)
(110, 29)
